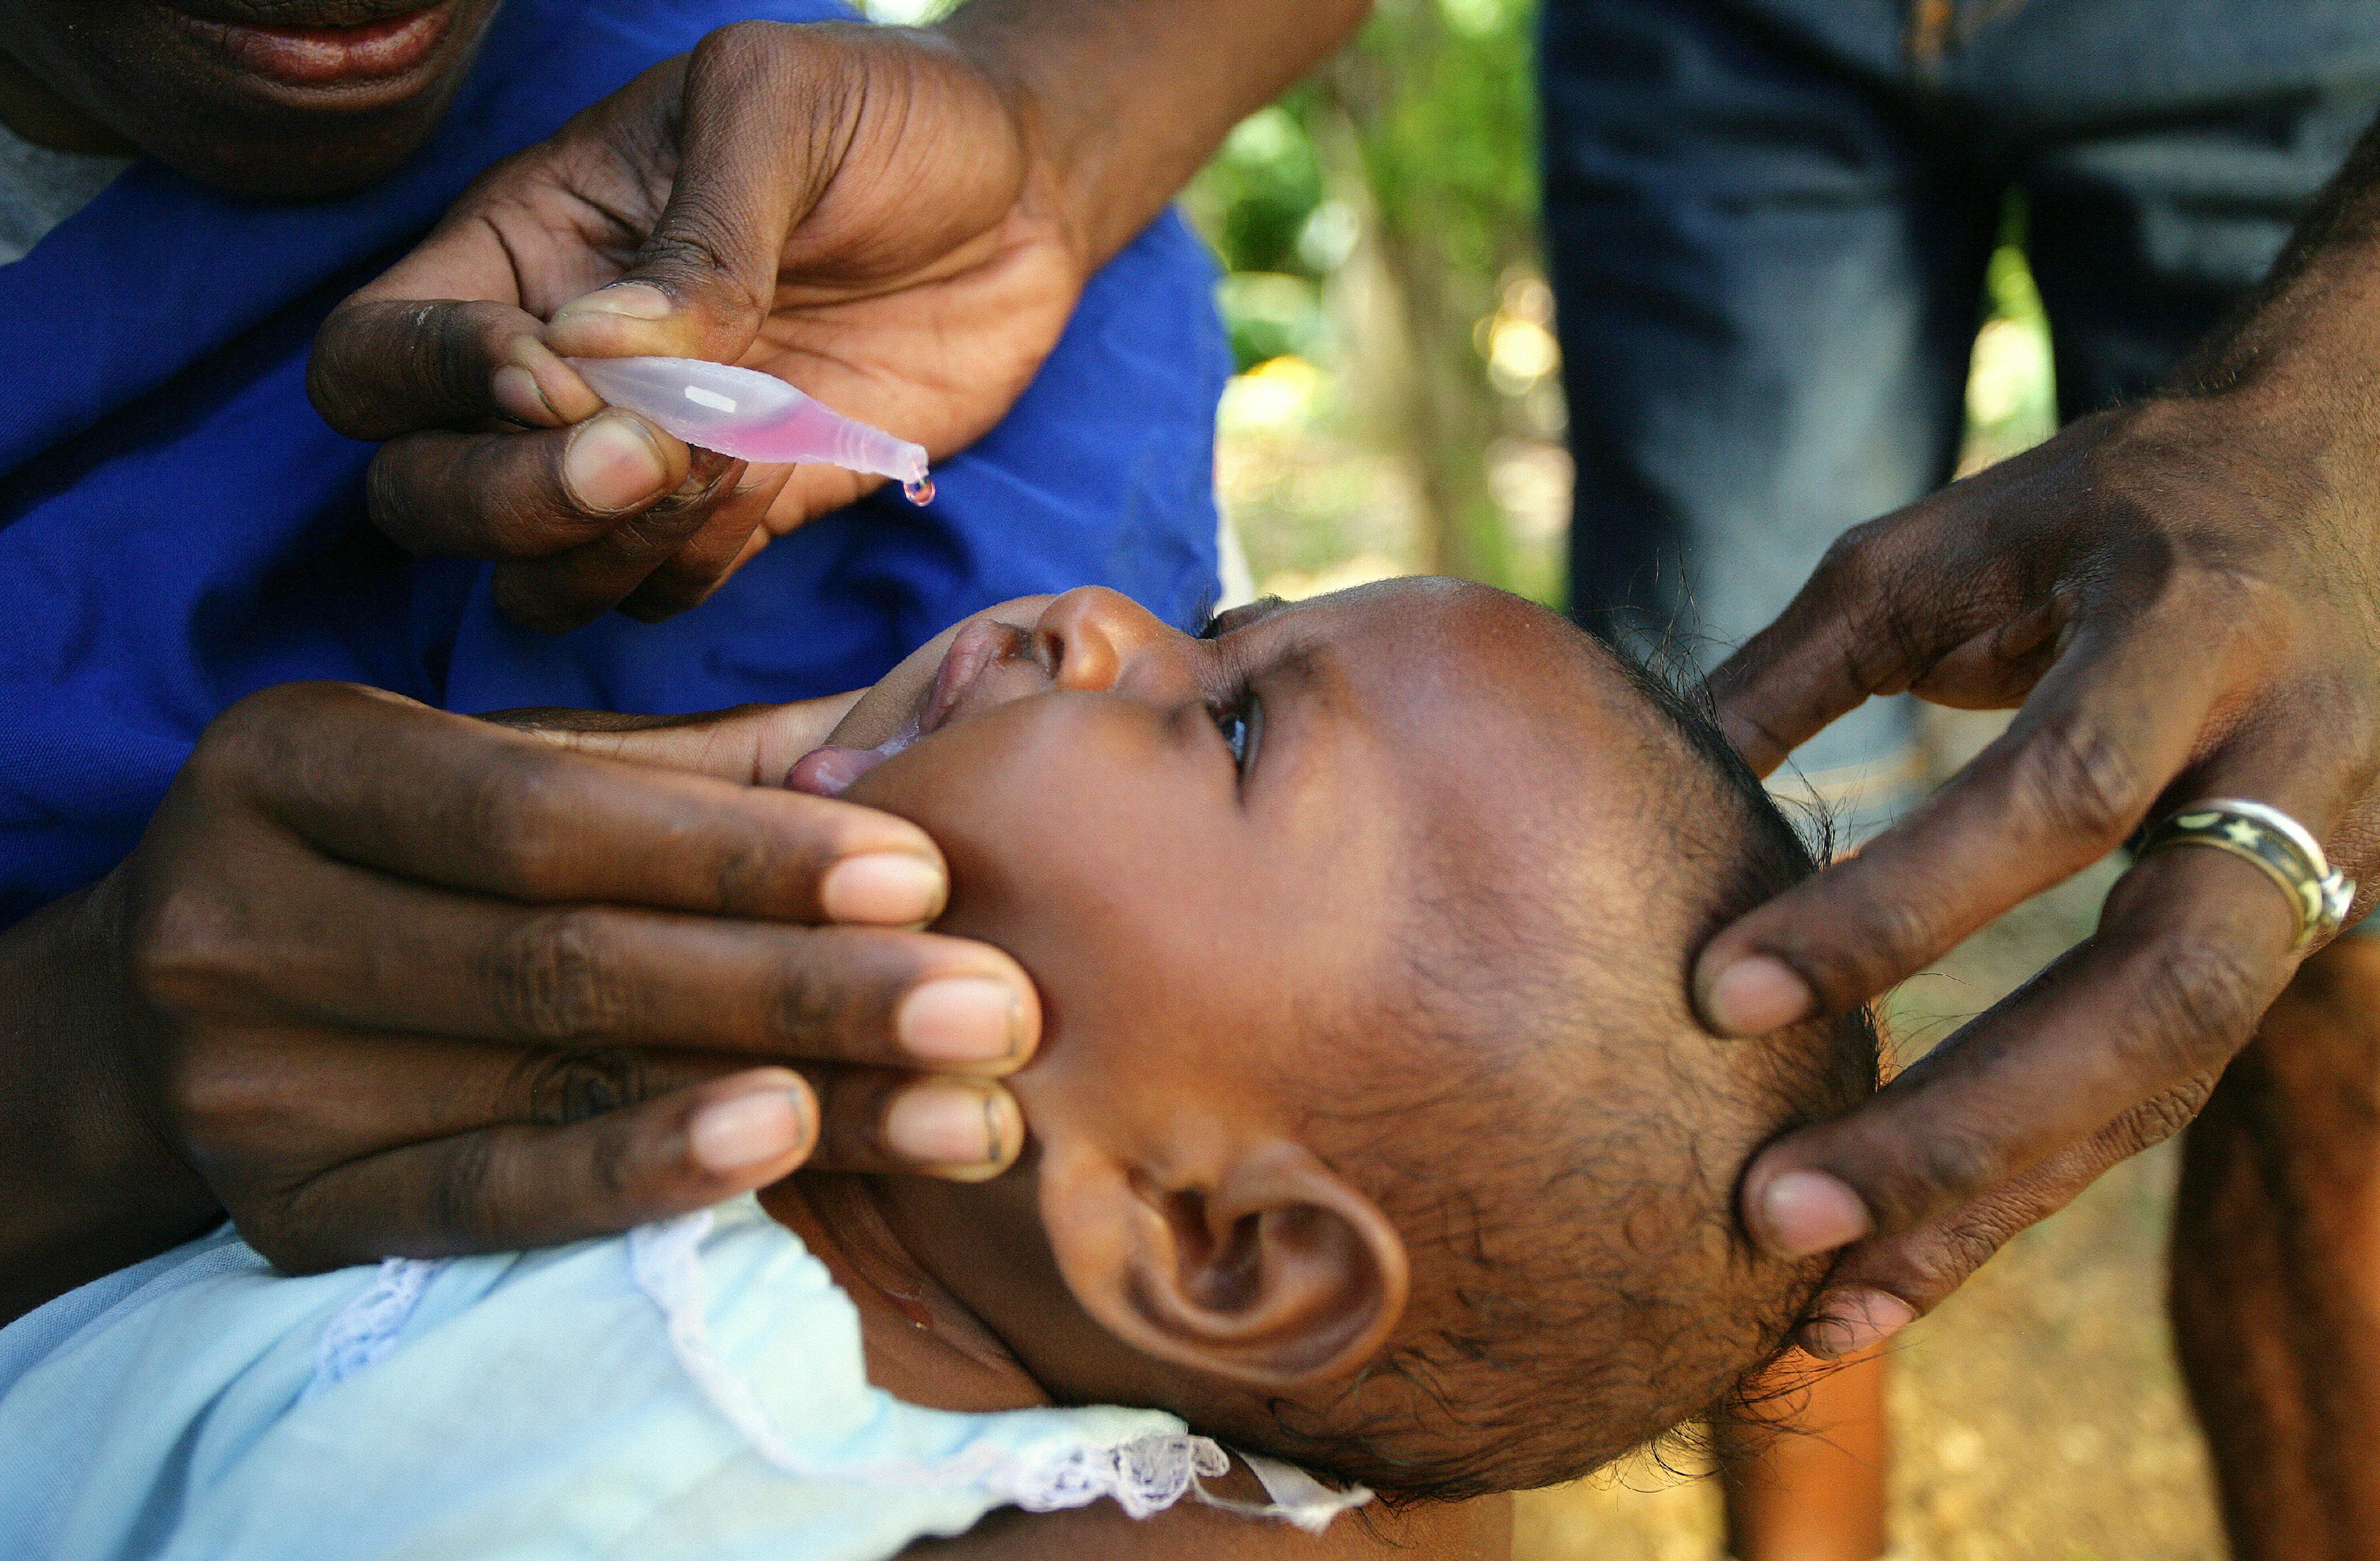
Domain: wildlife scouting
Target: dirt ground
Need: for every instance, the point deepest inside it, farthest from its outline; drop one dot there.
(2037, 1415)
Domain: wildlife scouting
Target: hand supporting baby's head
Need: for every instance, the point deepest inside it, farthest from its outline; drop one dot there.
(1371, 1125)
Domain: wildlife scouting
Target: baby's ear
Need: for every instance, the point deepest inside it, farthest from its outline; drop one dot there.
(1267, 1270)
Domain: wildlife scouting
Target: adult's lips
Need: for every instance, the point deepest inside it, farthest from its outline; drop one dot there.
(319, 43)
(299, 13)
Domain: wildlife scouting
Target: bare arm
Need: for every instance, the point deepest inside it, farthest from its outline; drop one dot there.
(1126, 98)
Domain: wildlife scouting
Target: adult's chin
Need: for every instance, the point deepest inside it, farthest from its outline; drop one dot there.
(310, 162)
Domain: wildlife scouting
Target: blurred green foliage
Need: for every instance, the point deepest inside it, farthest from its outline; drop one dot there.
(1376, 223)
(1258, 202)
(906, 12)
(1444, 91)
(1263, 189)
(2012, 385)
(1438, 97)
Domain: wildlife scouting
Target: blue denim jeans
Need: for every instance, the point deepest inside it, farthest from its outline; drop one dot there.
(1769, 221)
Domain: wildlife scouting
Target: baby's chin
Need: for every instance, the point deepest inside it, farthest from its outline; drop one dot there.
(886, 718)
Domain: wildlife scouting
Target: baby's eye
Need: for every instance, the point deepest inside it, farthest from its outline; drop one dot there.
(1238, 721)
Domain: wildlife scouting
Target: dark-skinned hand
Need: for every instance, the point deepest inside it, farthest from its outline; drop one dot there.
(852, 209)
(402, 981)
(2182, 601)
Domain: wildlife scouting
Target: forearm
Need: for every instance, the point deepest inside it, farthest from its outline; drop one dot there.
(1124, 99)
(86, 1185)
(2315, 319)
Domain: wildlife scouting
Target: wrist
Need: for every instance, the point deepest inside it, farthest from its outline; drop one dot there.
(1119, 101)
(1047, 130)
(2294, 408)
(91, 1177)
(2311, 327)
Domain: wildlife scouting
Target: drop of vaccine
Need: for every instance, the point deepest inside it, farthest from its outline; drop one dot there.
(920, 492)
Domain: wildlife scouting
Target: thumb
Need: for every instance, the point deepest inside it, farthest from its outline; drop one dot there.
(758, 133)
(755, 744)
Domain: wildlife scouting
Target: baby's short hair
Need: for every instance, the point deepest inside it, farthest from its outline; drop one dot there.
(1560, 1141)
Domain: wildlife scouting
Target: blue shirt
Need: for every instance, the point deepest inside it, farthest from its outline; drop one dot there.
(178, 527)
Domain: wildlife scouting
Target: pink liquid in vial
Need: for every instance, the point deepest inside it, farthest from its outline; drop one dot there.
(752, 416)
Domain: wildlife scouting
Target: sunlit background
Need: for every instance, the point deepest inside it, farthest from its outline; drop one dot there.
(1398, 409)
(1397, 406)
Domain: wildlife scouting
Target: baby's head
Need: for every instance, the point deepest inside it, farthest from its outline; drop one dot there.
(1371, 1127)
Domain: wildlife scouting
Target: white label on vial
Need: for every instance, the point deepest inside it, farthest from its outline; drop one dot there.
(709, 398)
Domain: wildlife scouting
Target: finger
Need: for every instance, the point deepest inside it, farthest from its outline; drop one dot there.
(384, 367)
(401, 956)
(1848, 634)
(2070, 779)
(536, 493)
(699, 285)
(440, 798)
(1879, 1286)
(733, 534)
(559, 591)
(2140, 1019)
(813, 491)
(755, 745)
(645, 561)
(322, 1095)
(511, 1187)
(959, 1130)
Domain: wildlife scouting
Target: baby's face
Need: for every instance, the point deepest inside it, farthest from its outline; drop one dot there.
(1198, 845)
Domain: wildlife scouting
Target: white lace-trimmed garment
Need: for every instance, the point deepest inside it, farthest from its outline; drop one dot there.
(693, 1390)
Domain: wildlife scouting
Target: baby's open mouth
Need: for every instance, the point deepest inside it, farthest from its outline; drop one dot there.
(980, 644)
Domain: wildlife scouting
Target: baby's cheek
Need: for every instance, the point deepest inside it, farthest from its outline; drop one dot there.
(1081, 835)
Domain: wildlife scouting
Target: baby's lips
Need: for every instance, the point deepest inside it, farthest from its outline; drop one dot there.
(829, 771)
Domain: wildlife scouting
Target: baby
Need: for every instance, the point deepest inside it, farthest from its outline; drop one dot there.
(1370, 1131)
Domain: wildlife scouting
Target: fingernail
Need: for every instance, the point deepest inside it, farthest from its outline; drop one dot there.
(962, 1019)
(831, 771)
(1756, 994)
(944, 1125)
(1805, 1213)
(758, 475)
(635, 300)
(749, 1130)
(613, 464)
(516, 391)
(555, 384)
(890, 888)
(1850, 1320)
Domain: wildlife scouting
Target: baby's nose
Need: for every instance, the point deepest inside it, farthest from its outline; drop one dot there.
(1092, 639)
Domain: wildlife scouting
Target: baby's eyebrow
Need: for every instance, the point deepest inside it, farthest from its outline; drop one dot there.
(1242, 616)
(1278, 660)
